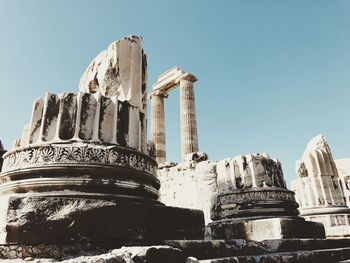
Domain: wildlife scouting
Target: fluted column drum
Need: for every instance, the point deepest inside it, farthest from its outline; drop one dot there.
(82, 144)
(189, 136)
(158, 126)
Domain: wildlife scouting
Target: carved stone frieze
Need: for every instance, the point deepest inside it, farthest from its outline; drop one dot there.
(91, 154)
(263, 194)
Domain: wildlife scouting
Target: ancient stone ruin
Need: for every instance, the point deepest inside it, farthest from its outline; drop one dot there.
(83, 183)
(189, 137)
(82, 171)
(253, 202)
(319, 190)
(343, 167)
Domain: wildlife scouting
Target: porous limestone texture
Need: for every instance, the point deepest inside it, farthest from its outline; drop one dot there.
(190, 184)
(319, 189)
(55, 220)
(343, 167)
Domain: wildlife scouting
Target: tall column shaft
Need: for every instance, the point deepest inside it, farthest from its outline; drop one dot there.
(158, 126)
(189, 137)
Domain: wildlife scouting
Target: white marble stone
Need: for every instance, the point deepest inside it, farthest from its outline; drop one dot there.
(35, 123)
(319, 190)
(111, 106)
(318, 183)
(66, 116)
(50, 117)
(119, 70)
(24, 142)
(251, 170)
(189, 185)
(196, 182)
(109, 117)
(343, 167)
(85, 117)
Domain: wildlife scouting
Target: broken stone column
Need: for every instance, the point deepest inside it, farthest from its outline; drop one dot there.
(254, 203)
(189, 136)
(319, 190)
(158, 125)
(343, 167)
(2, 152)
(82, 172)
(121, 71)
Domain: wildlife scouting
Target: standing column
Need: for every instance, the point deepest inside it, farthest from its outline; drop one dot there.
(189, 137)
(158, 125)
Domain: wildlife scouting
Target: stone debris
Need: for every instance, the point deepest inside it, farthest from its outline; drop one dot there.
(122, 255)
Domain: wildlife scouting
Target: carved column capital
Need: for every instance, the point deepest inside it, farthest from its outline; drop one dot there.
(158, 93)
(186, 78)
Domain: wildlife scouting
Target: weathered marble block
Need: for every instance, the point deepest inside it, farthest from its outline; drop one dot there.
(239, 196)
(252, 186)
(319, 190)
(85, 117)
(343, 167)
(83, 171)
(253, 198)
(120, 70)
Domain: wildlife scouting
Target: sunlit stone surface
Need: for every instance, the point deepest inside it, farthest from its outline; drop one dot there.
(319, 189)
(241, 197)
(120, 72)
(82, 171)
(82, 179)
(343, 167)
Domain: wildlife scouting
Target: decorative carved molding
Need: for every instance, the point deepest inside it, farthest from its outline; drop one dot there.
(88, 154)
(260, 194)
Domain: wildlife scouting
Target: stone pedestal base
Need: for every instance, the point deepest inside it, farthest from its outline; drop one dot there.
(57, 220)
(336, 220)
(263, 229)
(255, 202)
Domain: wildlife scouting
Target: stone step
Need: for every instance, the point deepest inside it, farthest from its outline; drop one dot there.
(207, 249)
(315, 256)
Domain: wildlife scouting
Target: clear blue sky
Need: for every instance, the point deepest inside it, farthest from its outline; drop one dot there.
(272, 74)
